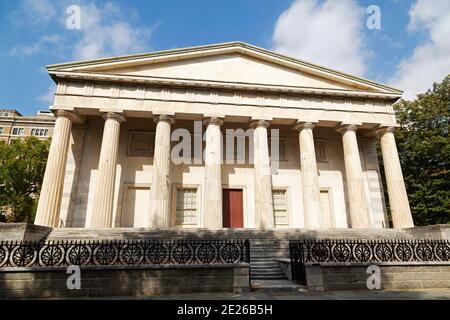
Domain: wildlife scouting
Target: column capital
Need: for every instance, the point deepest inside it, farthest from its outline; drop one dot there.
(260, 123)
(71, 115)
(304, 125)
(213, 120)
(384, 129)
(342, 128)
(170, 119)
(114, 115)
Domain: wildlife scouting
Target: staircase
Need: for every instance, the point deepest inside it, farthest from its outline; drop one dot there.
(264, 254)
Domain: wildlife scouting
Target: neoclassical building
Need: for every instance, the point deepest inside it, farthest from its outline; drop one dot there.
(111, 165)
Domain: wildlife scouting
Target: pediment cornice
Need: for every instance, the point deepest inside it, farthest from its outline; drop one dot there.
(100, 69)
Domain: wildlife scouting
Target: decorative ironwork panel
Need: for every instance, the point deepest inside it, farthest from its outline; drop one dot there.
(380, 250)
(107, 253)
(363, 251)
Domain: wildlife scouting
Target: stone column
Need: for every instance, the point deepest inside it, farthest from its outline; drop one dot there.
(398, 199)
(359, 210)
(160, 188)
(310, 177)
(263, 180)
(213, 174)
(51, 193)
(102, 210)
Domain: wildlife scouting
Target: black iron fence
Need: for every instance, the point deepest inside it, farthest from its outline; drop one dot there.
(107, 253)
(364, 251)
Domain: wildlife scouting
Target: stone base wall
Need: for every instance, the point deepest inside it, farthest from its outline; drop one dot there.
(410, 276)
(23, 232)
(30, 232)
(37, 283)
(437, 231)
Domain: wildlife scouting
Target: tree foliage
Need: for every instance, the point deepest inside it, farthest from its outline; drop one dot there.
(22, 166)
(424, 150)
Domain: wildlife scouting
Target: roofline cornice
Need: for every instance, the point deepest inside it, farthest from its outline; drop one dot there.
(207, 50)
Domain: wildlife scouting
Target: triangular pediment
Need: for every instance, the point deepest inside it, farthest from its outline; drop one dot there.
(236, 63)
(230, 67)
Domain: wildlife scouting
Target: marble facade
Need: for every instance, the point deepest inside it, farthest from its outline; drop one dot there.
(110, 161)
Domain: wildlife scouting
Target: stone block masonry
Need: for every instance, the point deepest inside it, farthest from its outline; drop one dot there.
(393, 276)
(38, 283)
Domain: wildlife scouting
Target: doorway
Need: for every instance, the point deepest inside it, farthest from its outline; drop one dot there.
(233, 211)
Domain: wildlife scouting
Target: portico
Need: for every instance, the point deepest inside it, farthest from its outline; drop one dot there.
(111, 162)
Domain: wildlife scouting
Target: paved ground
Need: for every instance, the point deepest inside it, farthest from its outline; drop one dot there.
(306, 295)
(287, 290)
(334, 295)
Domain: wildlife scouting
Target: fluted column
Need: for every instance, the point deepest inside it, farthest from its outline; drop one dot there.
(310, 177)
(106, 174)
(160, 188)
(263, 179)
(213, 174)
(359, 209)
(51, 193)
(398, 199)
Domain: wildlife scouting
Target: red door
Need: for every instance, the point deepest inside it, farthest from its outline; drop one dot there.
(233, 213)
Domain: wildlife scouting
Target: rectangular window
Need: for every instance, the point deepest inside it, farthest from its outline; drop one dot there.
(280, 208)
(186, 206)
(1, 130)
(141, 144)
(17, 131)
(321, 152)
(39, 132)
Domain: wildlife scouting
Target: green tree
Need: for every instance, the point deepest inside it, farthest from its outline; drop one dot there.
(424, 150)
(22, 166)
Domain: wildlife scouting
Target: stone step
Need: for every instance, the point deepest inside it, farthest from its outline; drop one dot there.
(267, 249)
(267, 273)
(266, 277)
(254, 258)
(268, 252)
(265, 268)
(273, 253)
(276, 286)
(273, 257)
(263, 262)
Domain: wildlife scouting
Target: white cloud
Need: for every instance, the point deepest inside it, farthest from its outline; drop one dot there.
(107, 29)
(38, 11)
(430, 61)
(329, 33)
(49, 96)
(106, 33)
(45, 43)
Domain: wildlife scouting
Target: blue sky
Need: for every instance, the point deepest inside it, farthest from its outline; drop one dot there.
(410, 51)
